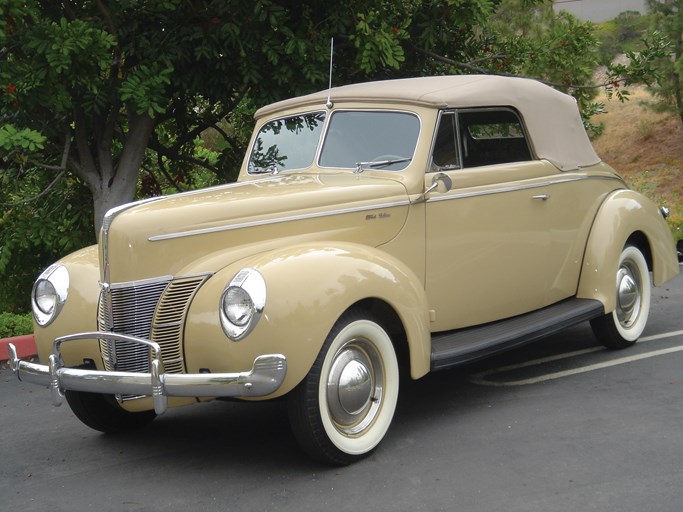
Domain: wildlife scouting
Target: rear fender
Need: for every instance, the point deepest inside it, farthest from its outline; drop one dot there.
(625, 216)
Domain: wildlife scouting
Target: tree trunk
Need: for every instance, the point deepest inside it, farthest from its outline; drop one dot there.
(111, 184)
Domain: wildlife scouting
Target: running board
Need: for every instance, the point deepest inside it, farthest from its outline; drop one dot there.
(453, 348)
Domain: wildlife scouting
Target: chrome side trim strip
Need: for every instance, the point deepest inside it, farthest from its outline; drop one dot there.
(489, 192)
(303, 216)
(514, 188)
(106, 226)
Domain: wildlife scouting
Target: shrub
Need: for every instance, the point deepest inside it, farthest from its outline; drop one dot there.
(15, 325)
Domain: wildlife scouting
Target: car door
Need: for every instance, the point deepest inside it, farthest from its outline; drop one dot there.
(487, 238)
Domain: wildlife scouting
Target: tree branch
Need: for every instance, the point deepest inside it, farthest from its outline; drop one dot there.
(65, 155)
(174, 154)
(86, 160)
(471, 67)
(112, 30)
(167, 175)
(38, 196)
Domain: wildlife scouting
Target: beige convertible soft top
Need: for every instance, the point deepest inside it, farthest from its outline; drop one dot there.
(551, 117)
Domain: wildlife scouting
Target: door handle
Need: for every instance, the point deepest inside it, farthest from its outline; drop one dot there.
(541, 197)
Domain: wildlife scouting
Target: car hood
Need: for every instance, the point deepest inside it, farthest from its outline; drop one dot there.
(175, 234)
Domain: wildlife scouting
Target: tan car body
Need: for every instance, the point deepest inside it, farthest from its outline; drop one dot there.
(502, 241)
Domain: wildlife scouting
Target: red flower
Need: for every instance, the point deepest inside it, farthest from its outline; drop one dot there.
(394, 30)
(11, 88)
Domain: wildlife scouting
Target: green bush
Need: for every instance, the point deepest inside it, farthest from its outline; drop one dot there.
(622, 34)
(15, 325)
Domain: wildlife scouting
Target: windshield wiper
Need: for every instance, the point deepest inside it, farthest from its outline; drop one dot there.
(376, 164)
(271, 169)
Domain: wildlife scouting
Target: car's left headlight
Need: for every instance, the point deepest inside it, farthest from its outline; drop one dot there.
(49, 294)
(242, 303)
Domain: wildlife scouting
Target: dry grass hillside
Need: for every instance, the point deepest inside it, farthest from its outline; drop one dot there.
(646, 148)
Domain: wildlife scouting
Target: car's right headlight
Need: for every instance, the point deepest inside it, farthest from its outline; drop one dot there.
(49, 294)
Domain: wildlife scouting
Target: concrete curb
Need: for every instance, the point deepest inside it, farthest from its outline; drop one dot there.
(26, 346)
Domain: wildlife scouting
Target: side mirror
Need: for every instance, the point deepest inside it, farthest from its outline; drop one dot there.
(440, 182)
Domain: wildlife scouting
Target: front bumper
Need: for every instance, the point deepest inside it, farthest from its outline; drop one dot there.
(265, 377)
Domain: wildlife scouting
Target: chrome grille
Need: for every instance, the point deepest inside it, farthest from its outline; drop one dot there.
(153, 310)
(169, 320)
(128, 309)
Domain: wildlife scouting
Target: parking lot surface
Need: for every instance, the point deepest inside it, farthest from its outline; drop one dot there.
(560, 425)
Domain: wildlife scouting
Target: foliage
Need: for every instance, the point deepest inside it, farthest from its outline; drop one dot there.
(562, 51)
(621, 35)
(36, 233)
(15, 325)
(25, 139)
(113, 88)
(668, 19)
(123, 98)
(113, 99)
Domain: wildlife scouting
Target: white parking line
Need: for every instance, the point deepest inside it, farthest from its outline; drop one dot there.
(481, 378)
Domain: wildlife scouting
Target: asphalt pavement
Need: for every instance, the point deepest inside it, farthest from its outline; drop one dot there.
(560, 425)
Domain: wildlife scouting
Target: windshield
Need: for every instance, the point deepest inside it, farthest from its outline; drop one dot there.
(381, 140)
(287, 143)
(376, 139)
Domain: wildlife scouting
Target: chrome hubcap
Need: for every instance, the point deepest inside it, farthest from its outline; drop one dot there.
(628, 295)
(355, 387)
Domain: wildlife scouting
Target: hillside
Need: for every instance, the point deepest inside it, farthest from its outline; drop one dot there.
(646, 148)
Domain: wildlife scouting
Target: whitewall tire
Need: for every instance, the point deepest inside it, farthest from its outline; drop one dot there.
(622, 327)
(344, 406)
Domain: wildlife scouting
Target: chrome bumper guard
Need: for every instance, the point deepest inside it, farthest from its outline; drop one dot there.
(265, 377)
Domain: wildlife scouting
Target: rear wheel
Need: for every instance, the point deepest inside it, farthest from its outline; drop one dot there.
(622, 327)
(343, 408)
(103, 413)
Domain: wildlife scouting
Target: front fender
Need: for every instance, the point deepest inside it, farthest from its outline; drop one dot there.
(79, 313)
(623, 214)
(308, 286)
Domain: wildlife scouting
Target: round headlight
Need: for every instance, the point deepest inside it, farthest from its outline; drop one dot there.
(49, 294)
(45, 296)
(242, 303)
(238, 306)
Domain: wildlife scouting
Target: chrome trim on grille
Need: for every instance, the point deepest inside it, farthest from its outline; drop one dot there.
(128, 310)
(150, 309)
(169, 319)
(303, 216)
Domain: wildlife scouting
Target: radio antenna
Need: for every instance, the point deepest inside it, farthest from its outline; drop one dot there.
(329, 103)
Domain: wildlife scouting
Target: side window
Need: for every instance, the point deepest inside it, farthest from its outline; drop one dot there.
(491, 137)
(445, 155)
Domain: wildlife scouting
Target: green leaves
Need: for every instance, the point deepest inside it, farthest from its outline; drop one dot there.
(144, 89)
(25, 139)
(378, 41)
(62, 43)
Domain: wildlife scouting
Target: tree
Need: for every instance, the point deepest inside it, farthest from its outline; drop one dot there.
(36, 231)
(123, 96)
(563, 51)
(90, 86)
(668, 18)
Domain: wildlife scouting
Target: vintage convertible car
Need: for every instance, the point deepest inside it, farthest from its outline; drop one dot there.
(375, 229)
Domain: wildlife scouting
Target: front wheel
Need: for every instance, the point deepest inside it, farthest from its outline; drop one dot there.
(343, 408)
(103, 413)
(622, 327)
